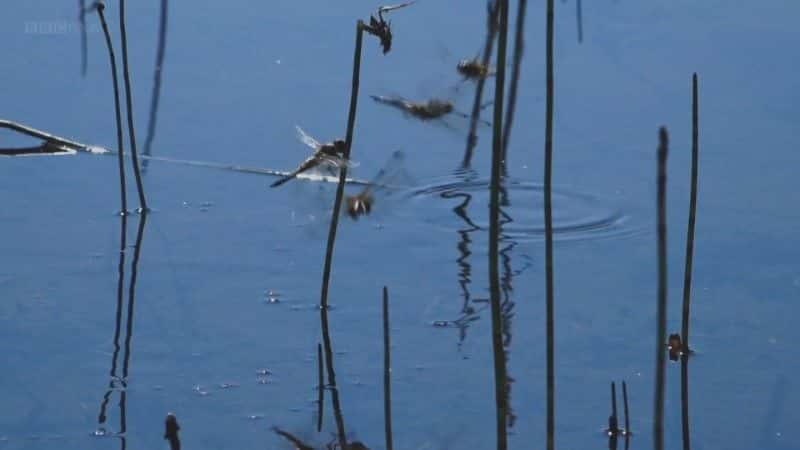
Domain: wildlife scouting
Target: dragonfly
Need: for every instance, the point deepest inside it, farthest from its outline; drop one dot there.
(329, 156)
(434, 108)
(390, 176)
(473, 69)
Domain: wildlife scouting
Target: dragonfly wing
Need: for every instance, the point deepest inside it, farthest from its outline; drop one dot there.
(337, 161)
(306, 139)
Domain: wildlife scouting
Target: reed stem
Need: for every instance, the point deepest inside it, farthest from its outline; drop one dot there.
(519, 50)
(579, 19)
(129, 104)
(320, 388)
(687, 277)
(117, 110)
(614, 406)
(661, 317)
(491, 33)
(157, 73)
(387, 371)
(625, 406)
(548, 227)
(84, 39)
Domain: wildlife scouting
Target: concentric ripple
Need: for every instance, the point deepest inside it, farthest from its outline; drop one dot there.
(576, 215)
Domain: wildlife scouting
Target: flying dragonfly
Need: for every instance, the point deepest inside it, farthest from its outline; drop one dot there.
(428, 110)
(329, 156)
(389, 177)
(473, 69)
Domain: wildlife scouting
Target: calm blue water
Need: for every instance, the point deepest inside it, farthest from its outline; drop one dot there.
(238, 78)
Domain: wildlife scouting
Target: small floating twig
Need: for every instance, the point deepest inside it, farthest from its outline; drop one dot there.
(661, 317)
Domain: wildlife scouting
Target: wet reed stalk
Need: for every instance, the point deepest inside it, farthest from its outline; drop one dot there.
(337, 205)
(519, 49)
(687, 276)
(320, 388)
(548, 230)
(84, 39)
(157, 72)
(661, 317)
(387, 371)
(625, 407)
(491, 32)
(129, 104)
(494, 233)
(117, 110)
(614, 406)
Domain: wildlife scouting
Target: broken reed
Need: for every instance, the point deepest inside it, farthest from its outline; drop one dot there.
(519, 46)
(491, 32)
(548, 227)
(387, 373)
(157, 72)
(129, 104)
(661, 316)
(118, 114)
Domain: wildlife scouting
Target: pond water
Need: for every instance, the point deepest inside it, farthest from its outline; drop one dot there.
(224, 325)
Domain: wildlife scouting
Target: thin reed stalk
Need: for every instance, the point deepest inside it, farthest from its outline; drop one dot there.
(625, 406)
(579, 19)
(548, 230)
(320, 388)
(117, 110)
(84, 39)
(661, 317)
(494, 233)
(613, 427)
(129, 104)
(387, 373)
(687, 276)
(491, 33)
(337, 204)
(157, 73)
(519, 50)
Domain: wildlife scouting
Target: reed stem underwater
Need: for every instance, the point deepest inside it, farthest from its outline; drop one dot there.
(387, 372)
(661, 315)
(129, 104)
(117, 110)
(548, 227)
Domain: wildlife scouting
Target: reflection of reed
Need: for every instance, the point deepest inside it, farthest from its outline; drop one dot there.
(685, 400)
(156, 95)
(84, 40)
(468, 312)
(117, 381)
(337, 407)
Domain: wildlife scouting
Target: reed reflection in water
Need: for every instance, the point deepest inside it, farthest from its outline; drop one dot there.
(119, 382)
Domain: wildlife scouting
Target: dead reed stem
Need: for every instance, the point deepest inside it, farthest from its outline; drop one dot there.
(387, 373)
(117, 110)
(548, 227)
(157, 73)
(494, 231)
(129, 103)
(491, 32)
(661, 317)
(519, 50)
(687, 277)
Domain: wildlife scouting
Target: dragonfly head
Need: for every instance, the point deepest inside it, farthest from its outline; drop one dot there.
(339, 146)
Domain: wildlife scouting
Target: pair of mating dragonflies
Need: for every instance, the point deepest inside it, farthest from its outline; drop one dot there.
(330, 157)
